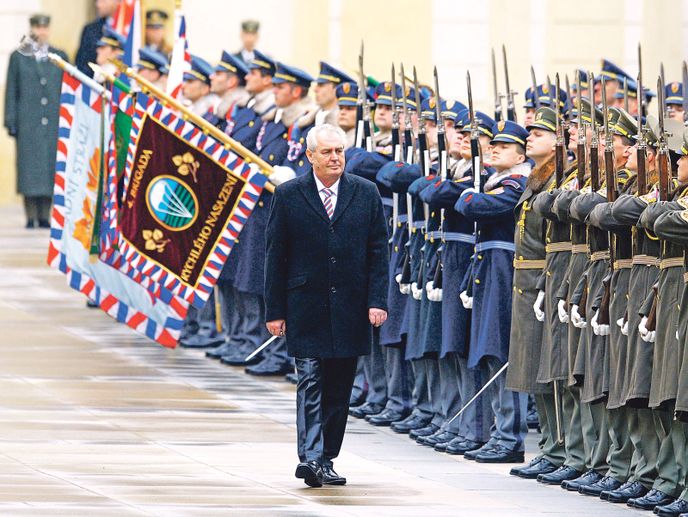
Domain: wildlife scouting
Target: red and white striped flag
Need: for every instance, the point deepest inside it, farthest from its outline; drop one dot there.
(181, 58)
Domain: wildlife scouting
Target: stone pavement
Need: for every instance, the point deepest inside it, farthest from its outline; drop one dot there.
(95, 420)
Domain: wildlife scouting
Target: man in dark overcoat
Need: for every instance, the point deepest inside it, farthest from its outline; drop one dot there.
(325, 290)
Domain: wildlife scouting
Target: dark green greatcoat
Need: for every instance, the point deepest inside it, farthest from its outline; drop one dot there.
(32, 104)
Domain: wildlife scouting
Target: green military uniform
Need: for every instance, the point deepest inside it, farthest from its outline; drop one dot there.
(526, 332)
(32, 104)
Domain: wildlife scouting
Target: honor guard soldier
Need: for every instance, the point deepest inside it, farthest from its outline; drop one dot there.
(243, 124)
(632, 88)
(249, 40)
(622, 127)
(529, 263)
(196, 87)
(326, 85)
(32, 103)
(614, 82)
(228, 82)
(155, 31)
(491, 279)
(109, 46)
(471, 428)
(672, 227)
(281, 142)
(153, 66)
(673, 101)
(627, 209)
(662, 336)
(347, 95)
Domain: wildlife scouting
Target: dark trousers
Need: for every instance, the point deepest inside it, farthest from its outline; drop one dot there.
(37, 208)
(322, 406)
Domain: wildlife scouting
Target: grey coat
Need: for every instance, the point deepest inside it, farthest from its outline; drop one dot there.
(32, 105)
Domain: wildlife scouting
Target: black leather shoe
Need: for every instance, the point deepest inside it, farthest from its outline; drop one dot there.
(91, 304)
(460, 447)
(634, 490)
(330, 477)
(650, 500)
(267, 368)
(605, 494)
(311, 473)
(471, 455)
(678, 507)
(606, 484)
(366, 409)
(500, 454)
(42, 223)
(219, 351)
(434, 439)
(424, 431)
(543, 467)
(516, 470)
(30, 224)
(563, 473)
(409, 424)
(203, 339)
(590, 477)
(386, 418)
(292, 378)
(442, 446)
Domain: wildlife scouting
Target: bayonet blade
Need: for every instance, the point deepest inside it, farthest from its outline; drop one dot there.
(438, 100)
(533, 83)
(685, 91)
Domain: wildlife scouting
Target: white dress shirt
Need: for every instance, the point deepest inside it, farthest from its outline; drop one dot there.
(334, 188)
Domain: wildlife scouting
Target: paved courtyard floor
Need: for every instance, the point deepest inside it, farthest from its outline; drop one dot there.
(96, 420)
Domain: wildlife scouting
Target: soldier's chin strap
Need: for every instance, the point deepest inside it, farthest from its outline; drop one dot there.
(467, 405)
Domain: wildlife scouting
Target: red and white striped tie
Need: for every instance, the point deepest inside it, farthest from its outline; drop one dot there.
(328, 201)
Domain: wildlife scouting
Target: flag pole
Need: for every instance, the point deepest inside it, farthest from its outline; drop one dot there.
(207, 127)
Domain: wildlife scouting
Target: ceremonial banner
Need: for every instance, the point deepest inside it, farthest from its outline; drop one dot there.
(77, 176)
(187, 198)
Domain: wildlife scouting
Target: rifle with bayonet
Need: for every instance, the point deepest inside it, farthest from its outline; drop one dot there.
(559, 148)
(396, 151)
(661, 76)
(684, 78)
(594, 140)
(405, 277)
(664, 171)
(443, 170)
(640, 94)
(364, 133)
(476, 159)
(424, 161)
(497, 96)
(510, 105)
(533, 85)
(610, 179)
(641, 148)
(663, 161)
(580, 144)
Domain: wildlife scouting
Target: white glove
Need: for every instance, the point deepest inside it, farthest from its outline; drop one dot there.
(577, 320)
(403, 288)
(598, 329)
(537, 306)
(623, 325)
(466, 300)
(563, 313)
(281, 174)
(416, 292)
(434, 295)
(646, 335)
